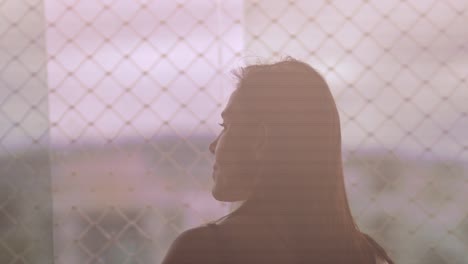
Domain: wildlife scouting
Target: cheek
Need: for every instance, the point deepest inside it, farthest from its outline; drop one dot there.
(234, 149)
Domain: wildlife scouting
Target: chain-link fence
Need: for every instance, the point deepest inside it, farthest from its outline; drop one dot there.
(108, 107)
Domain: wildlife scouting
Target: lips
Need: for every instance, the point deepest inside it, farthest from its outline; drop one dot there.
(214, 172)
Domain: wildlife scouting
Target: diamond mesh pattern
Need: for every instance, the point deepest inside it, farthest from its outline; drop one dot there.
(25, 195)
(125, 97)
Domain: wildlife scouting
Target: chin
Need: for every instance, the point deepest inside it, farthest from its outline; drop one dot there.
(224, 196)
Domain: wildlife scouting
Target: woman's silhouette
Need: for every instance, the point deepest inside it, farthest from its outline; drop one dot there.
(280, 153)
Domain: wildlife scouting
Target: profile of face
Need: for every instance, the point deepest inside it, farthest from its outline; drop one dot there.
(237, 150)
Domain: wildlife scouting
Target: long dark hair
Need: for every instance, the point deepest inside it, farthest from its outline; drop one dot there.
(301, 187)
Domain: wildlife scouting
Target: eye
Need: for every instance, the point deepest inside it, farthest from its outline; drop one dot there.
(222, 124)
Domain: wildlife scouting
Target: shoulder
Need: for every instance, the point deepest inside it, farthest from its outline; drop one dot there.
(379, 260)
(195, 245)
(380, 253)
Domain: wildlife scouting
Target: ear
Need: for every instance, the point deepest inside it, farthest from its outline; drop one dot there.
(261, 140)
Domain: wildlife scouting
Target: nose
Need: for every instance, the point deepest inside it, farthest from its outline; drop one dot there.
(213, 146)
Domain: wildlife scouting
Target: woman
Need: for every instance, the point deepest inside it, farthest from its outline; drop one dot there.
(280, 153)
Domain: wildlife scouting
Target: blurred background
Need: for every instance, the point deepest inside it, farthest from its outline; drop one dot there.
(108, 107)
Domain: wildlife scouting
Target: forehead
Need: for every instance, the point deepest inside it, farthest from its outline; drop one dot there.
(233, 108)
